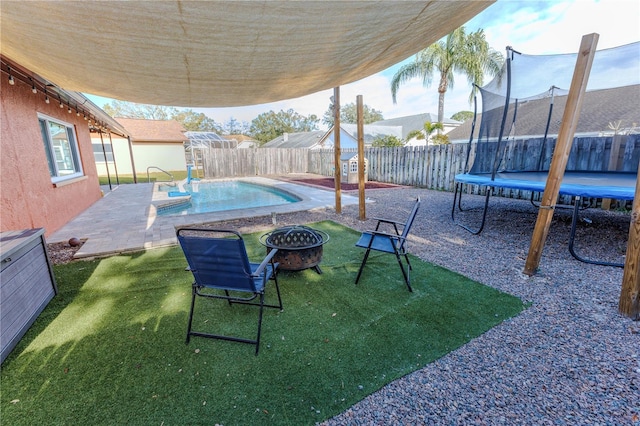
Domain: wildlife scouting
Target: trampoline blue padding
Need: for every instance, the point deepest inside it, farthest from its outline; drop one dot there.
(614, 185)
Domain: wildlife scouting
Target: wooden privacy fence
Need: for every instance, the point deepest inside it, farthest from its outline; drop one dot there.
(432, 167)
(233, 162)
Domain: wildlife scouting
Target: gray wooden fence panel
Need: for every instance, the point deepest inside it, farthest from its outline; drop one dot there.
(631, 153)
(431, 167)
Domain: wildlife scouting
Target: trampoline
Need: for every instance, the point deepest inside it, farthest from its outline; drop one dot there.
(513, 146)
(613, 185)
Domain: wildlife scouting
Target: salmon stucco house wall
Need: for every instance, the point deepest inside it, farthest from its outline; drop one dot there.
(47, 169)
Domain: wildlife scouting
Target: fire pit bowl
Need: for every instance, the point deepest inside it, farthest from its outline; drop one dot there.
(299, 247)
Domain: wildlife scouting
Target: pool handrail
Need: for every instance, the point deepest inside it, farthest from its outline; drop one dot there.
(163, 171)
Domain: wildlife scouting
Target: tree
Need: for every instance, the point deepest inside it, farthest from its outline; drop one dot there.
(235, 127)
(349, 114)
(196, 121)
(426, 132)
(132, 110)
(468, 54)
(462, 115)
(440, 139)
(386, 141)
(270, 125)
(190, 119)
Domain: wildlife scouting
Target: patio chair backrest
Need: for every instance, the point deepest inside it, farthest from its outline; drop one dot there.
(410, 220)
(220, 263)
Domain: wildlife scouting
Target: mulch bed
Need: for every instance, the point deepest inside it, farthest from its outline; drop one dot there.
(62, 252)
(329, 183)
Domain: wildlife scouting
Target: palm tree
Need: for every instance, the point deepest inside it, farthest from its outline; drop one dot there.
(426, 132)
(460, 52)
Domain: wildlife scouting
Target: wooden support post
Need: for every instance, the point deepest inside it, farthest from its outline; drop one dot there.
(561, 152)
(106, 160)
(629, 304)
(336, 149)
(133, 164)
(360, 126)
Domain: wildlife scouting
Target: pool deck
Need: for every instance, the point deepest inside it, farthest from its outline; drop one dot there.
(125, 219)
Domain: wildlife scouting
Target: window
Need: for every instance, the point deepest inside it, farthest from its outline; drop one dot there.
(61, 148)
(99, 154)
(354, 166)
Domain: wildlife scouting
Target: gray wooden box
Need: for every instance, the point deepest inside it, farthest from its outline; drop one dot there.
(27, 284)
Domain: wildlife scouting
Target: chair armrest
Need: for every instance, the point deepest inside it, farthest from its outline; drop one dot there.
(264, 263)
(389, 222)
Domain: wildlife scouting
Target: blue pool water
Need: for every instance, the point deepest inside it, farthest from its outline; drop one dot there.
(209, 197)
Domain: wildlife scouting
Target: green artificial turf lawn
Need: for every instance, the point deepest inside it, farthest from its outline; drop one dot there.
(109, 348)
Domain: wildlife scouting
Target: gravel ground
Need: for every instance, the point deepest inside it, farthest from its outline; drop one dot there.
(570, 358)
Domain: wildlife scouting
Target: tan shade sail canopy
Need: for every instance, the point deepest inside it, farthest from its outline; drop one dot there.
(219, 53)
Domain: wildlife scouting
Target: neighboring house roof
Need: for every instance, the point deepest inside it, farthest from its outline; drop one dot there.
(153, 130)
(240, 138)
(248, 144)
(321, 139)
(372, 131)
(296, 140)
(599, 109)
(346, 156)
(349, 135)
(410, 123)
(244, 141)
(346, 139)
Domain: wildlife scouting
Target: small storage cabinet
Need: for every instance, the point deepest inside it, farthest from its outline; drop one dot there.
(27, 284)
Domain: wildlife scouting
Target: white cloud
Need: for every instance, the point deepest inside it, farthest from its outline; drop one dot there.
(542, 27)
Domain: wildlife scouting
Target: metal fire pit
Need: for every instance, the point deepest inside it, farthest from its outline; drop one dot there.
(299, 247)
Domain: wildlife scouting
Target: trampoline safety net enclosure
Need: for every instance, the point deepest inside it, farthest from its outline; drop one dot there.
(513, 136)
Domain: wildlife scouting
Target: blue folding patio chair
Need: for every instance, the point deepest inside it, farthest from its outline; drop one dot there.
(395, 243)
(221, 269)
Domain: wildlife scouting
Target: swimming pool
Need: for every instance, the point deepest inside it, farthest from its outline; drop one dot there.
(220, 196)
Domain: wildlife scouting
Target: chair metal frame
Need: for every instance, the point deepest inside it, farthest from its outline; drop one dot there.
(386, 242)
(249, 279)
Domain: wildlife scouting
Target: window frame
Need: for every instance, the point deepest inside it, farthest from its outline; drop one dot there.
(50, 150)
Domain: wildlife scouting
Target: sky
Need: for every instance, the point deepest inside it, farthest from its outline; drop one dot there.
(529, 26)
